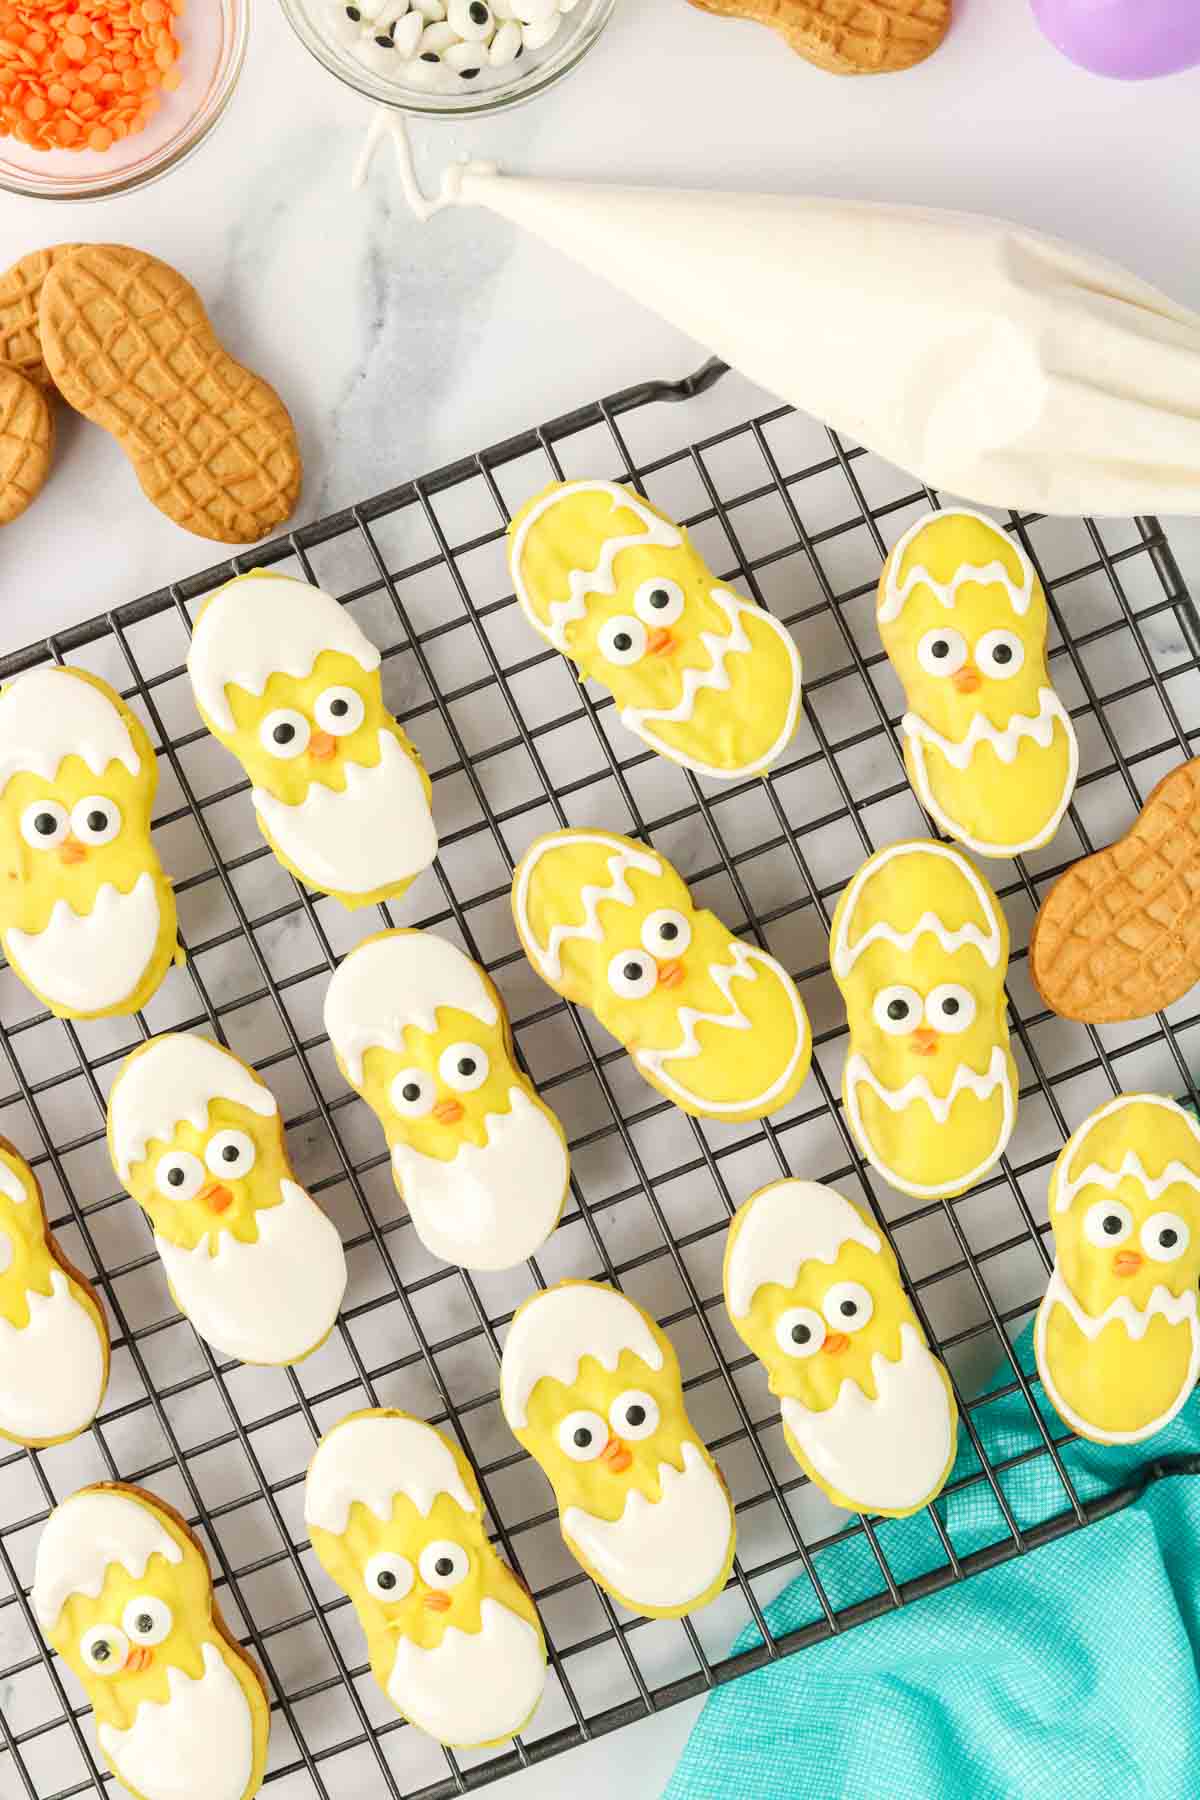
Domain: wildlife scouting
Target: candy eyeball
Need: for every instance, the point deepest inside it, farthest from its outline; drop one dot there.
(471, 19)
(466, 60)
(539, 34)
(506, 46)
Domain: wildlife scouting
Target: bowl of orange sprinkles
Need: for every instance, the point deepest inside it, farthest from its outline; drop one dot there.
(101, 96)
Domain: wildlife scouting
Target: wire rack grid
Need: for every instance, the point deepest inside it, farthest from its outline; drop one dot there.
(515, 747)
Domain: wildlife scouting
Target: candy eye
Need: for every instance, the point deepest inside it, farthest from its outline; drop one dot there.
(412, 1093)
(800, 1331)
(942, 651)
(1107, 1224)
(95, 820)
(582, 1436)
(443, 1564)
(464, 1067)
(104, 1650)
(1165, 1236)
(999, 654)
(634, 1414)
(388, 1576)
(340, 711)
(632, 975)
(666, 933)
(897, 1010)
(230, 1153)
(179, 1175)
(950, 1007)
(284, 733)
(44, 824)
(658, 602)
(147, 1619)
(847, 1306)
(623, 641)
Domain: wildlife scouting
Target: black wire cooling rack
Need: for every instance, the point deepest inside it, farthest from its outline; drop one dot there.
(515, 747)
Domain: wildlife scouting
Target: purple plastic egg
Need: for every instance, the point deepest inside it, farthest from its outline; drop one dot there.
(1128, 39)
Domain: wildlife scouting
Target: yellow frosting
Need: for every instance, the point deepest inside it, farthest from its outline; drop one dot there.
(1125, 1210)
(919, 918)
(957, 583)
(725, 669)
(720, 1028)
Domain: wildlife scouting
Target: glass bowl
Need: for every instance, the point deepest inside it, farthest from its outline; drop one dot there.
(533, 74)
(213, 36)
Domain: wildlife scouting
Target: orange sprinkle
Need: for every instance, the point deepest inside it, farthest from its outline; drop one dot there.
(75, 48)
(35, 107)
(100, 138)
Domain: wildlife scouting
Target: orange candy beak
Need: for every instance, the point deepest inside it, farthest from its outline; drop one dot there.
(967, 680)
(138, 1659)
(322, 746)
(447, 1112)
(924, 1041)
(436, 1601)
(670, 974)
(1128, 1262)
(72, 851)
(216, 1196)
(836, 1343)
(617, 1455)
(659, 641)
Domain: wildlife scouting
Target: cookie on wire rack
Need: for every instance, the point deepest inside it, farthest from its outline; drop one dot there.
(848, 37)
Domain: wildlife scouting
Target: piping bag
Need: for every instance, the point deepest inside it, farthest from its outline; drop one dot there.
(991, 361)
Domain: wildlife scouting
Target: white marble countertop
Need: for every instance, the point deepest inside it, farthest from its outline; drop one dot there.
(399, 347)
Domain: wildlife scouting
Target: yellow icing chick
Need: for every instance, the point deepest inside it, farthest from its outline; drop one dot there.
(711, 1022)
(122, 1591)
(701, 675)
(813, 1289)
(1116, 1336)
(53, 1333)
(396, 1519)
(196, 1138)
(591, 1387)
(287, 681)
(421, 1033)
(87, 916)
(989, 746)
(919, 949)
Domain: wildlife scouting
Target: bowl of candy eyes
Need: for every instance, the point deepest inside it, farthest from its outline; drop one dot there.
(448, 57)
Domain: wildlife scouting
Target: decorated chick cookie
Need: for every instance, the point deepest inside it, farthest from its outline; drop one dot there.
(591, 1387)
(701, 675)
(814, 1290)
(919, 949)
(421, 1033)
(87, 916)
(122, 1591)
(251, 1259)
(396, 1519)
(53, 1334)
(714, 1024)
(284, 678)
(989, 746)
(1116, 1337)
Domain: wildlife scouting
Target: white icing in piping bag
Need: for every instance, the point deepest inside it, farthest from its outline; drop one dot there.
(989, 360)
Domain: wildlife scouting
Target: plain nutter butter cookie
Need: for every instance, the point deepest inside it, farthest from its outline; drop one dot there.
(122, 1590)
(848, 37)
(1118, 936)
(128, 343)
(26, 443)
(20, 293)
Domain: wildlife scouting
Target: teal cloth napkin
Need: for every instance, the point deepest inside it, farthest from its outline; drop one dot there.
(1071, 1673)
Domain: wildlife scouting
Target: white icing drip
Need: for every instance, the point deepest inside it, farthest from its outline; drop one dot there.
(488, 1208)
(1005, 743)
(659, 534)
(1175, 1308)
(989, 943)
(394, 981)
(196, 1745)
(1155, 1186)
(742, 959)
(783, 1227)
(965, 1080)
(374, 1458)
(640, 719)
(268, 1302)
(665, 1552)
(618, 891)
(472, 1687)
(171, 1079)
(890, 1453)
(261, 625)
(83, 1537)
(554, 1331)
(392, 125)
(993, 574)
(378, 830)
(88, 963)
(50, 714)
(52, 1370)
